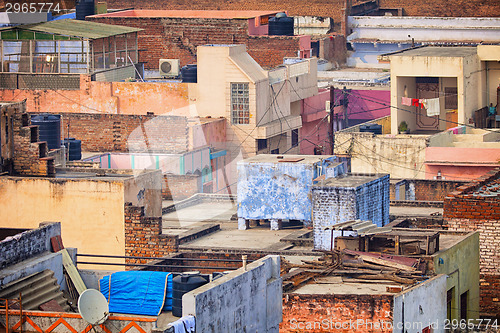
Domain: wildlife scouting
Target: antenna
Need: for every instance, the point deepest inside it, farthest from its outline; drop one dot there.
(93, 307)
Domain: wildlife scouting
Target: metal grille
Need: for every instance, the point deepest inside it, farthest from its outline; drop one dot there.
(40, 81)
(115, 74)
(240, 113)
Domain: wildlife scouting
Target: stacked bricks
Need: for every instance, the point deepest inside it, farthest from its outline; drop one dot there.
(30, 156)
(179, 187)
(439, 8)
(320, 313)
(128, 133)
(178, 38)
(144, 238)
(469, 210)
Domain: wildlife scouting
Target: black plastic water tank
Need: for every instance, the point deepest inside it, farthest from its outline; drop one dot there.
(182, 284)
(49, 129)
(372, 128)
(189, 73)
(281, 25)
(84, 8)
(74, 148)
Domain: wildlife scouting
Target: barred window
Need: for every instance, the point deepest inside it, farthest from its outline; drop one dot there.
(240, 113)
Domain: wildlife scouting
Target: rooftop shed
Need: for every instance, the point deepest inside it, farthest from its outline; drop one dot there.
(274, 187)
(32, 53)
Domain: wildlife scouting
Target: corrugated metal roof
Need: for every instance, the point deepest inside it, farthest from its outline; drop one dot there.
(76, 28)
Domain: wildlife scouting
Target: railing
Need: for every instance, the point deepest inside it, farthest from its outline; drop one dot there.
(4, 306)
(40, 81)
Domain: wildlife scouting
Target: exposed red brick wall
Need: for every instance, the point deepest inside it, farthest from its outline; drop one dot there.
(465, 210)
(112, 132)
(430, 190)
(177, 38)
(29, 155)
(455, 8)
(143, 237)
(333, 49)
(298, 308)
(180, 187)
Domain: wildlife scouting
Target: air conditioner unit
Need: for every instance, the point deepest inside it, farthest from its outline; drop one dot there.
(169, 67)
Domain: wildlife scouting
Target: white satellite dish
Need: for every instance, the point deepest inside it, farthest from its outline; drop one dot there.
(93, 306)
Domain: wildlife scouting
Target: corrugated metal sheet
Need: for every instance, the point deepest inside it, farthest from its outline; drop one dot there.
(77, 28)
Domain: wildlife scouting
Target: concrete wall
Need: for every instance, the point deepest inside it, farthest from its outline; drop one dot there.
(461, 263)
(421, 306)
(137, 98)
(402, 156)
(241, 301)
(367, 199)
(91, 212)
(144, 189)
(396, 28)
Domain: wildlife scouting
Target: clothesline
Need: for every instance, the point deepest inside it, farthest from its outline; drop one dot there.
(432, 105)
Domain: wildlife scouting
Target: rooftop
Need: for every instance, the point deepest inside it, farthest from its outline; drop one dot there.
(270, 158)
(75, 28)
(350, 180)
(216, 14)
(438, 51)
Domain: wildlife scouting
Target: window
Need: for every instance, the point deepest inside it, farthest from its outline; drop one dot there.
(240, 113)
(295, 138)
(463, 306)
(261, 144)
(451, 98)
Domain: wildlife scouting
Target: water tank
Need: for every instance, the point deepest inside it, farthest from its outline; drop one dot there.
(189, 73)
(74, 148)
(49, 129)
(372, 128)
(281, 25)
(182, 284)
(84, 8)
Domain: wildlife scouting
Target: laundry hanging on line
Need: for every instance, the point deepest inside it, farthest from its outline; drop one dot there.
(406, 101)
(433, 107)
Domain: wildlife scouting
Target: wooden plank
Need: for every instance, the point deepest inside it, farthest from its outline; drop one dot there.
(383, 262)
(73, 272)
(291, 159)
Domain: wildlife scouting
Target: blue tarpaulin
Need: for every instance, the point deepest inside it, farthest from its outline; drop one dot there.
(138, 292)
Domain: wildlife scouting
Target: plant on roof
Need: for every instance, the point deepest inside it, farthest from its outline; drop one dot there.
(403, 127)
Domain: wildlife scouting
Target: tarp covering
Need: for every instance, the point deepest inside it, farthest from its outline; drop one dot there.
(138, 292)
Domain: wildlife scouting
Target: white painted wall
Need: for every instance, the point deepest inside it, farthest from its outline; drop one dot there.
(241, 301)
(421, 306)
(397, 28)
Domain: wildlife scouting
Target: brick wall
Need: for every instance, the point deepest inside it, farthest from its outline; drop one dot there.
(124, 133)
(427, 189)
(333, 49)
(177, 38)
(467, 209)
(456, 8)
(299, 309)
(30, 156)
(179, 187)
(143, 237)
(334, 204)
(28, 244)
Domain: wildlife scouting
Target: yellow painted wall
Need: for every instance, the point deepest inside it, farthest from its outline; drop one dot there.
(461, 263)
(91, 212)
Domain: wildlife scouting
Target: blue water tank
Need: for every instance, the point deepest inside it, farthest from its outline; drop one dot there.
(49, 129)
(280, 25)
(189, 73)
(74, 148)
(182, 284)
(84, 8)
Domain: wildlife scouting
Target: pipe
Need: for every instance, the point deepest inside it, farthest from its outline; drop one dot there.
(244, 259)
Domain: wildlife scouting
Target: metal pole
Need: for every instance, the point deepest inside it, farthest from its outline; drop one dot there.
(332, 129)
(344, 104)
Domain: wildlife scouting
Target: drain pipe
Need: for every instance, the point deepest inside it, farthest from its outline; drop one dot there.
(244, 259)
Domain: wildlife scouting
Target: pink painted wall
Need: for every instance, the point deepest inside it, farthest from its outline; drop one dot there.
(367, 104)
(259, 30)
(460, 163)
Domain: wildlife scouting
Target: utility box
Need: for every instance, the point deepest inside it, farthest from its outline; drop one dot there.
(274, 187)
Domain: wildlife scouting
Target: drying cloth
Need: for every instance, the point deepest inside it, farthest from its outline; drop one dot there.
(432, 106)
(178, 326)
(189, 323)
(415, 102)
(138, 292)
(406, 101)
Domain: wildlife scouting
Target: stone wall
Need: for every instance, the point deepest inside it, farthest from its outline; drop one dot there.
(179, 187)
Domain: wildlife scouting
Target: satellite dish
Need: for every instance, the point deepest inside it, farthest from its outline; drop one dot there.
(93, 306)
